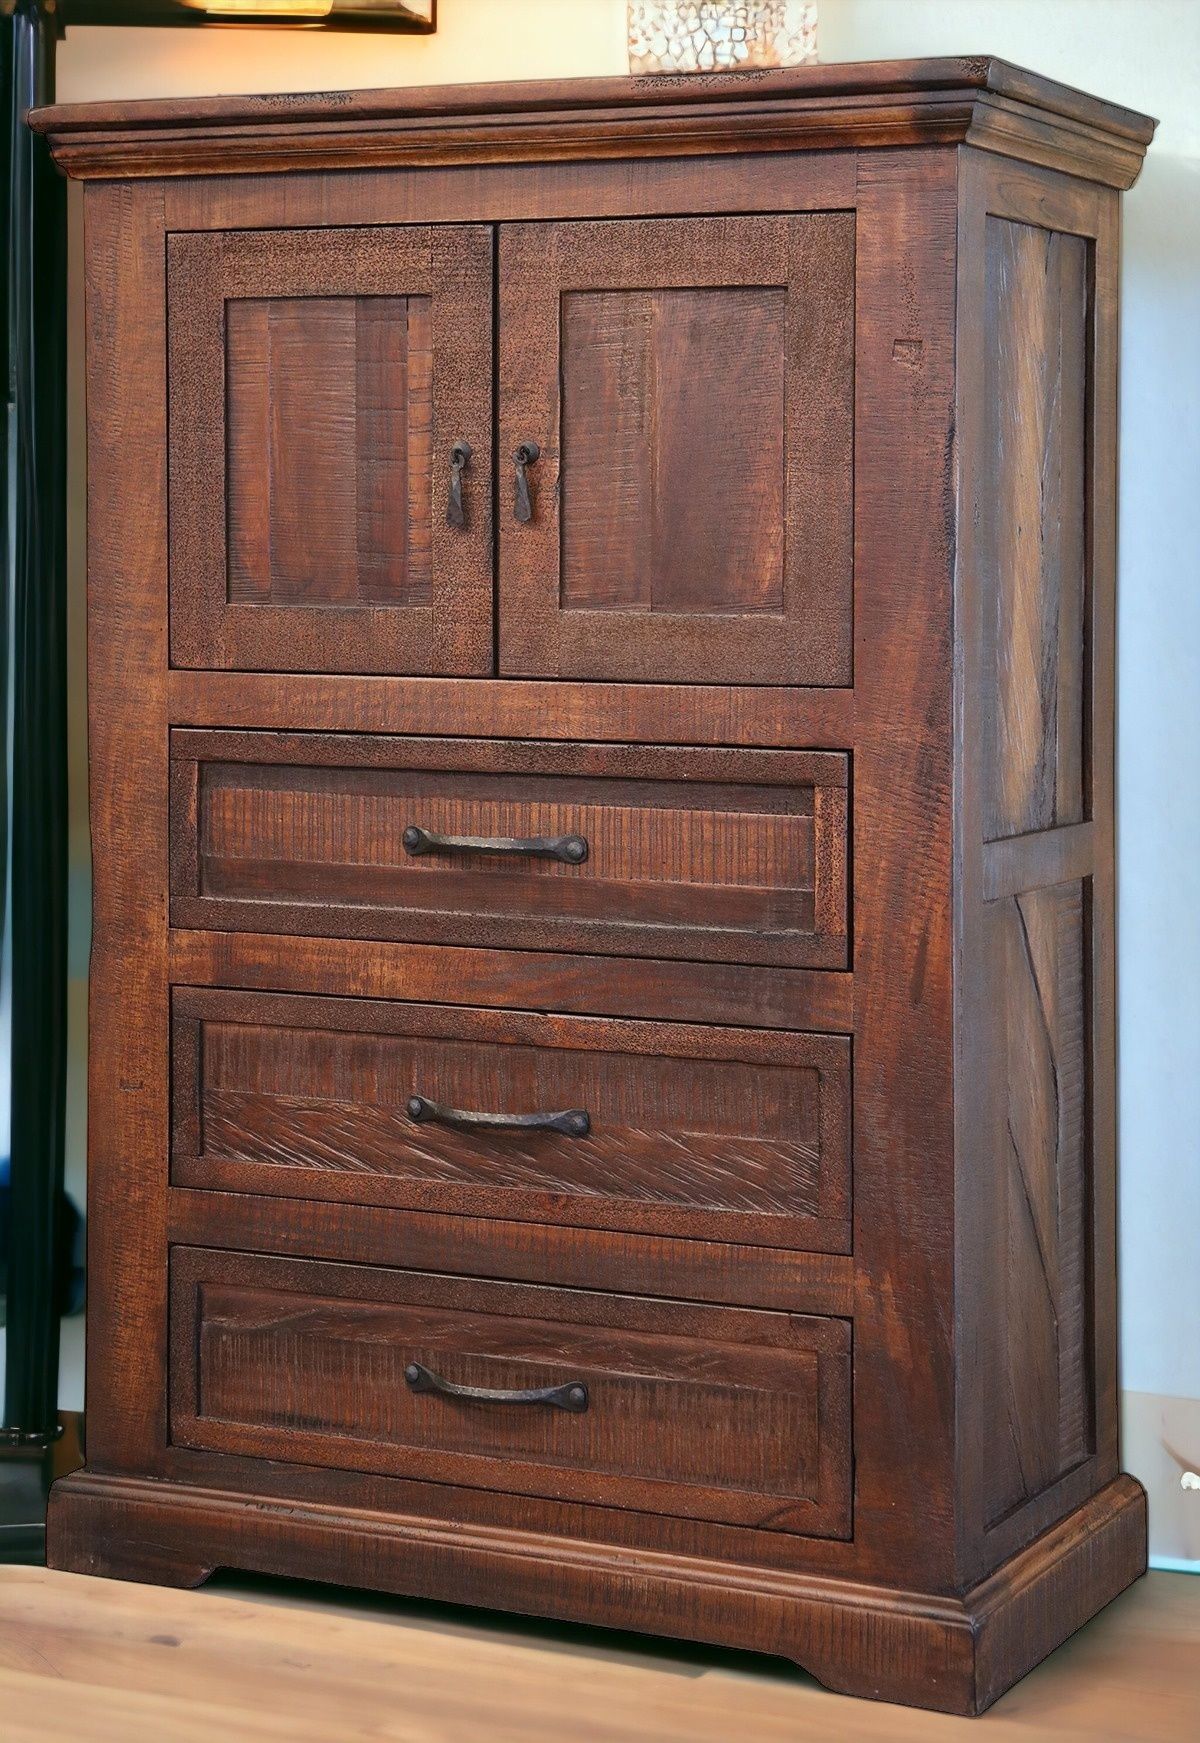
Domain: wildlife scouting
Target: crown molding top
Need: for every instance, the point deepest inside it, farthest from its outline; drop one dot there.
(974, 99)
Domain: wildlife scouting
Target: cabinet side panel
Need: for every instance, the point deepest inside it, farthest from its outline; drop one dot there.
(127, 749)
(1041, 1412)
(1035, 1260)
(1031, 539)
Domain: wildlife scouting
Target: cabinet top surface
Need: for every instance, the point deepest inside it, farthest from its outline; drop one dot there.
(975, 98)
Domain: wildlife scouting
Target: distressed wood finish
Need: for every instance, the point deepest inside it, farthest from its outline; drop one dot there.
(128, 998)
(1043, 1405)
(712, 1133)
(302, 832)
(956, 1654)
(329, 397)
(688, 992)
(575, 1256)
(1033, 535)
(973, 98)
(767, 715)
(810, 633)
(1034, 1097)
(710, 1413)
(318, 381)
(679, 533)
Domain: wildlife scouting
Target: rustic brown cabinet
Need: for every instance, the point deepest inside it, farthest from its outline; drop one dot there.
(601, 731)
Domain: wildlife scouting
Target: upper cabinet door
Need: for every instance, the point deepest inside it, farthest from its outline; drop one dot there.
(689, 387)
(320, 385)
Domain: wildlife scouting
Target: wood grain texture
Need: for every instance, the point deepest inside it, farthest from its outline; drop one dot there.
(466, 194)
(703, 1132)
(318, 380)
(1043, 1405)
(1035, 918)
(950, 1654)
(320, 1662)
(1033, 536)
(788, 878)
(680, 534)
(127, 773)
(526, 1252)
(741, 1417)
(690, 992)
(905, 1499)
(672, 500)
(766, 715)
(329, 485)
(976, 98)
(305, 832)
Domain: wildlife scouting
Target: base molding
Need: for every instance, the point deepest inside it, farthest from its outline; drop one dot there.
(951, 1654)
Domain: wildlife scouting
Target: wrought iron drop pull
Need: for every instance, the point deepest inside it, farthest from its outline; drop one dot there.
(459, 455)
(574, 1122)
(523, 458)
(571, 1396)
(570, 849)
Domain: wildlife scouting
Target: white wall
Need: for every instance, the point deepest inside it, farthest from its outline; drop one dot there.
(1142, 52)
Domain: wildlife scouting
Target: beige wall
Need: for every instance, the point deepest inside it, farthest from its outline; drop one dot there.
(475, 40)
(1145, 53)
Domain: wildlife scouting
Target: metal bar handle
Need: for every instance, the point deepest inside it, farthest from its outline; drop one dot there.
(574, 1122)
(570, 849)
(571, 1396)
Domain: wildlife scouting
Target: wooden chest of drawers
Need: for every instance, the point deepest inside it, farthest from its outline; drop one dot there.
(601, 709)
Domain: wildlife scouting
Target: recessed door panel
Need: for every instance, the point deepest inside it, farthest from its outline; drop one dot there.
(319, 384)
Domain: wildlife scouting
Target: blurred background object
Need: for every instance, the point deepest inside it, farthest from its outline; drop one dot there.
(722, 36)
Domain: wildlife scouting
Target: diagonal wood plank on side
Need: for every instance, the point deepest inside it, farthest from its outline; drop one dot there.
(1043, 1409)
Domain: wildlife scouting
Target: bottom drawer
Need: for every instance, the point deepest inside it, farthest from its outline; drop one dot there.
(714, 1413)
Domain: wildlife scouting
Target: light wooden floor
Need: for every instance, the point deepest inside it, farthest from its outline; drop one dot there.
(96, 1661)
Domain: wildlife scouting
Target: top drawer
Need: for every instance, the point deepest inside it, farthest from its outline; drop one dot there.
(705, 855)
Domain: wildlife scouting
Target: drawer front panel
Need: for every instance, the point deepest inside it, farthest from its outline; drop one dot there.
(692, 1131)
(708, 1413)
(721, 855)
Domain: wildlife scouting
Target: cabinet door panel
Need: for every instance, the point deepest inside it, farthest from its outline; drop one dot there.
(318, 382)
(689, 383)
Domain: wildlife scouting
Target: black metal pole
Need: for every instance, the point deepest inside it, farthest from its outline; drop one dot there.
(35, 716)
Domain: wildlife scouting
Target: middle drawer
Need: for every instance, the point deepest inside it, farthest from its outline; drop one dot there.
(707, 855)
(649, 1128)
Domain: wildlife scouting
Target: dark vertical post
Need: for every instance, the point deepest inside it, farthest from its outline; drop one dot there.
(35, 719)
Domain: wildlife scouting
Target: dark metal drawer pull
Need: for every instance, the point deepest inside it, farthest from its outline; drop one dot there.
(571, 849)
(574, 1121)
(524, 457)
(459, 455)
(572, 1396)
